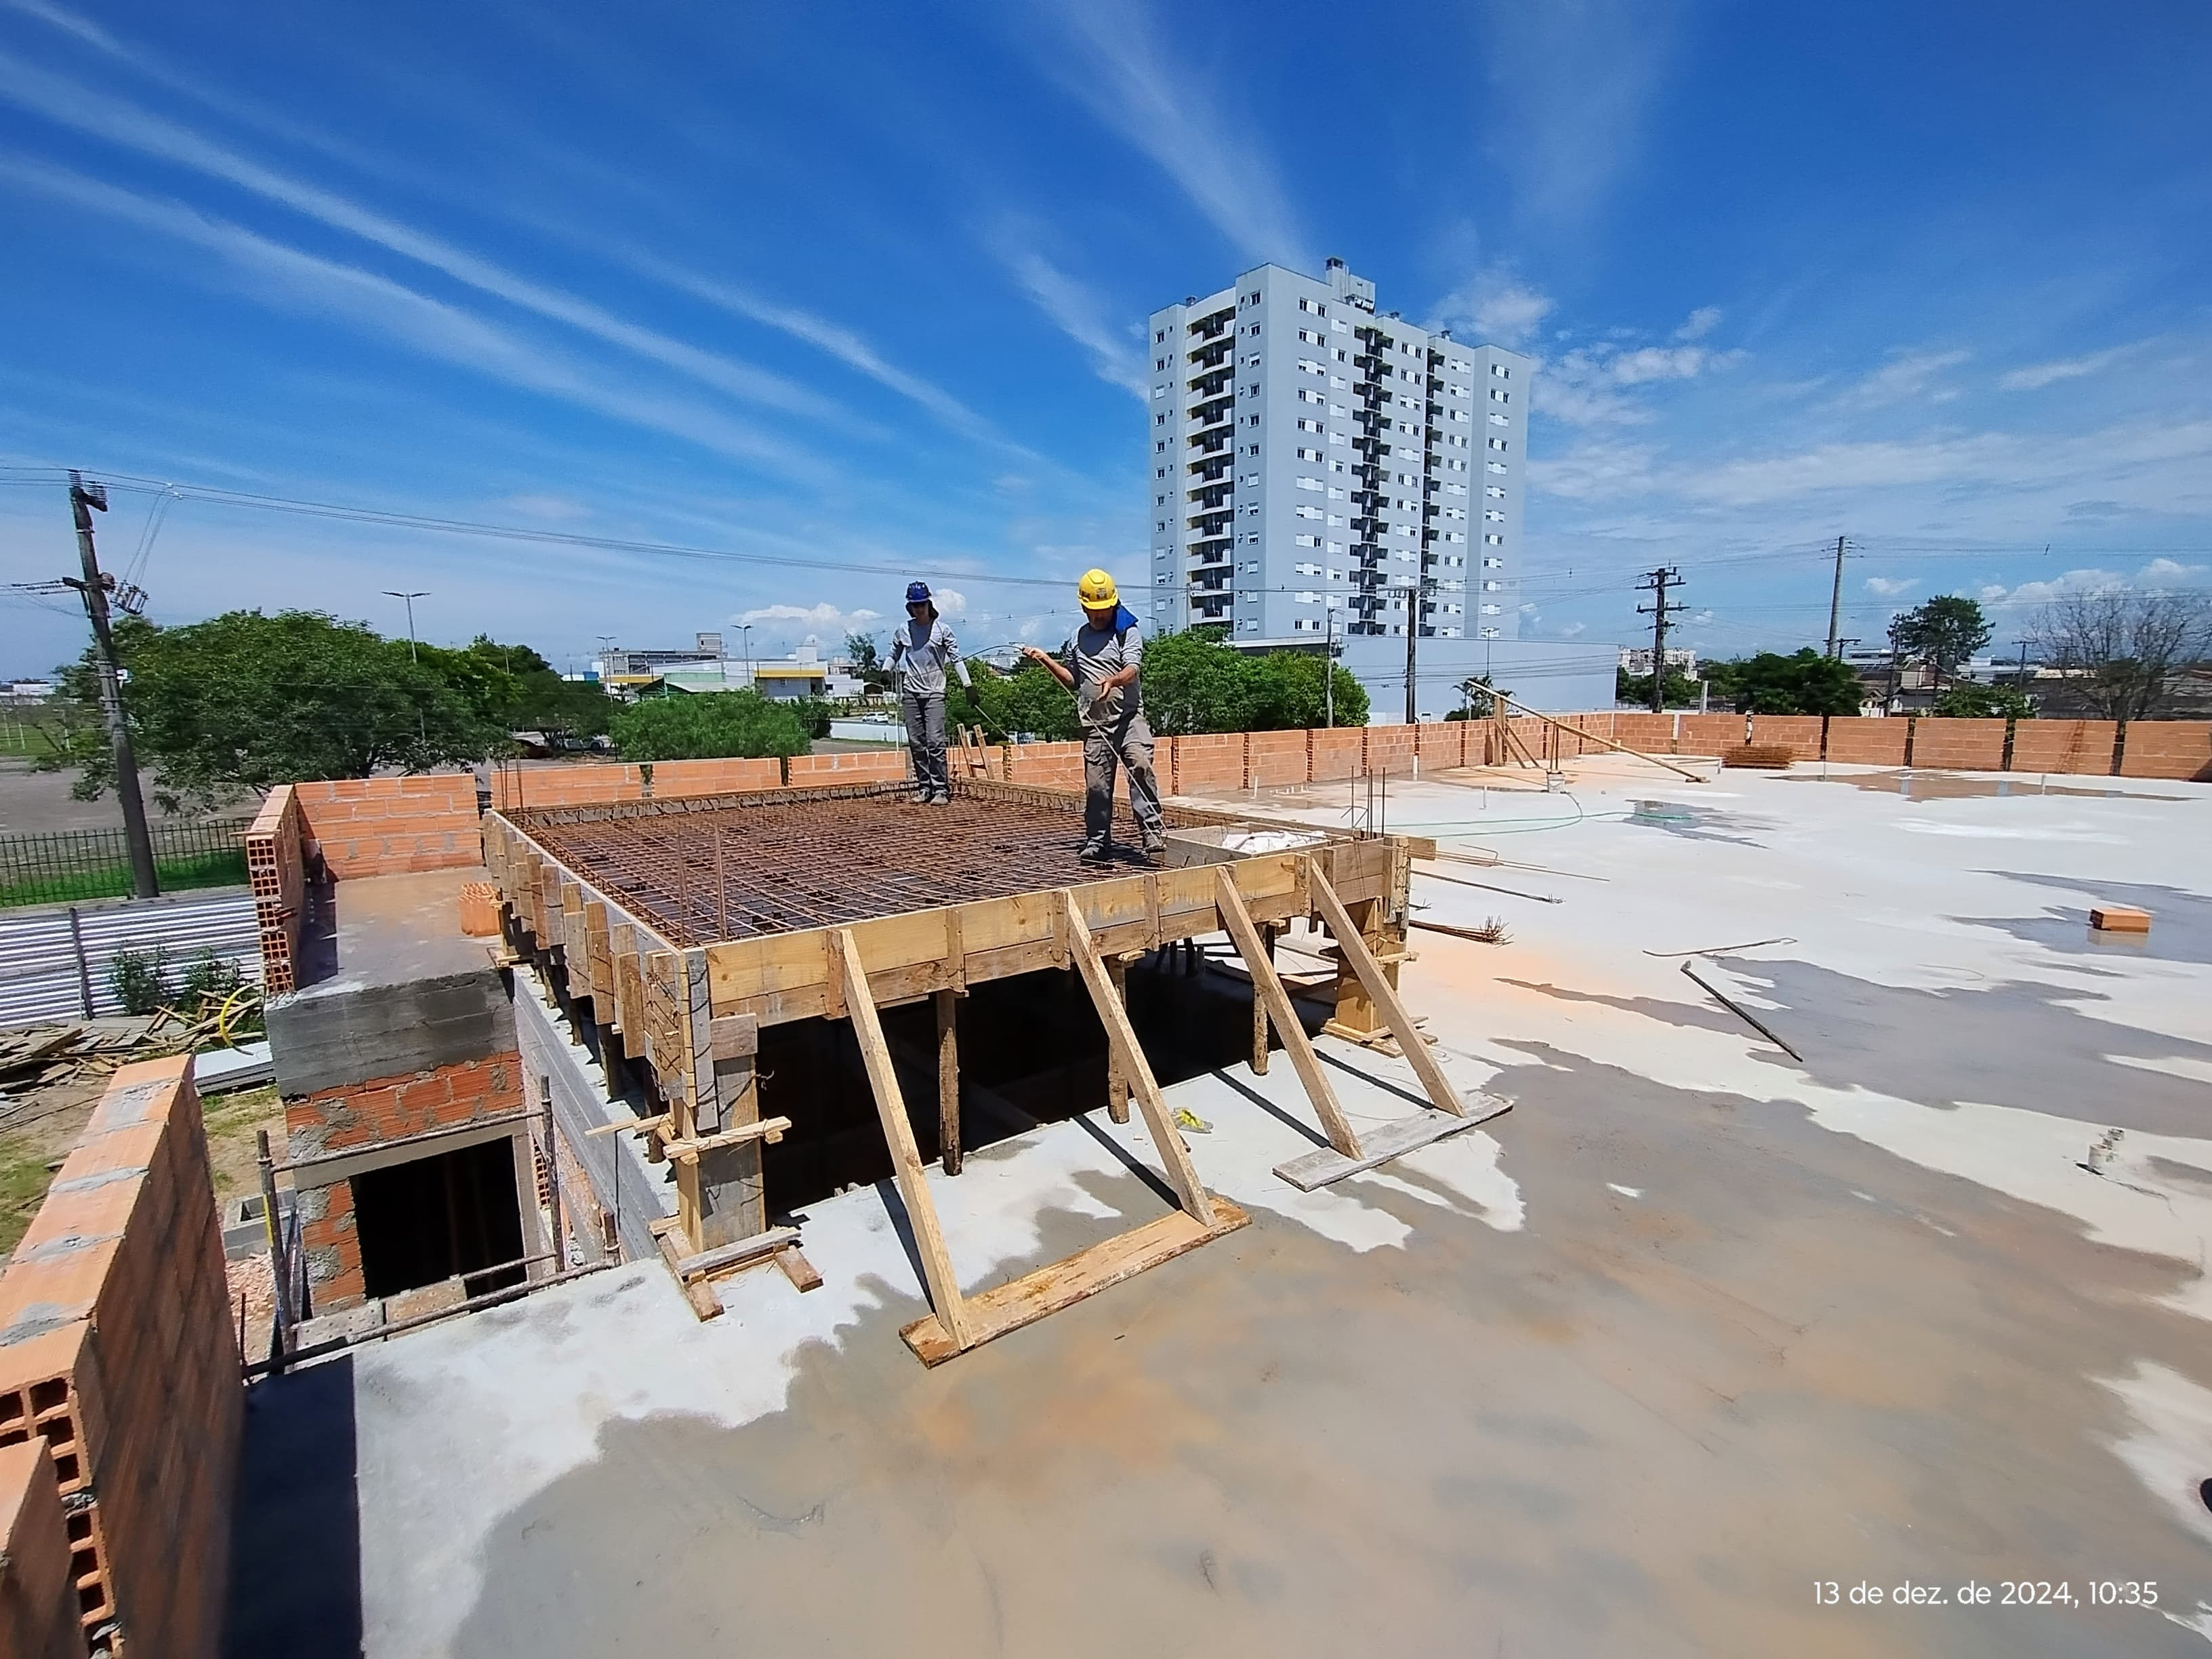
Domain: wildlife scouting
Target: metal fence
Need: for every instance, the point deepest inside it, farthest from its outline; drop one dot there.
(57, 964)
(72, 865)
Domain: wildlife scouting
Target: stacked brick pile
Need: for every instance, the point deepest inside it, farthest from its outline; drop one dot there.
(388, 826)
(272, 867)
(118, 1360)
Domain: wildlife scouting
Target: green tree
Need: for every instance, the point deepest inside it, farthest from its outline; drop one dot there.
(1680, 691)
(1944, 632)
(1970, 700)
(1028, 702)
(868, 660)
(569, 712)
(1294, 692)
(1194, 683)
(708, 726)
(236, 704)
(1804, 683)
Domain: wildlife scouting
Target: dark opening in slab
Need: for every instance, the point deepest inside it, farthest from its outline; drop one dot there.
(436, 1218)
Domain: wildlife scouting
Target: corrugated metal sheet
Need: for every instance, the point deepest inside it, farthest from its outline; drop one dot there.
(40, 980)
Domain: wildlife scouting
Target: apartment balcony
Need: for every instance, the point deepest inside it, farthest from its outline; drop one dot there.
(1213, 440)
(1210, 384)
(1211, 410)
(1210, 523)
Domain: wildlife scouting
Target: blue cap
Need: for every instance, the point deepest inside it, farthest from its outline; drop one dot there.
(917, 592)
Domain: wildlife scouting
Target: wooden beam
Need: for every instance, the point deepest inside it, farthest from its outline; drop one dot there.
(706, 1262)
(1025, 1300)
(1117, 1087)
(1274, 1002)
(1122, 1038)
(1385, 998)
(906, 1161)
(770, 1130)
(947, 1006)
(797, 1268)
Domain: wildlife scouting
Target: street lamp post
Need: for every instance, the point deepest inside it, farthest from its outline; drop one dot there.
(419, 594)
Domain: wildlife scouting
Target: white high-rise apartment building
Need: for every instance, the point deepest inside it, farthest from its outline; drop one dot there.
(1318, 469)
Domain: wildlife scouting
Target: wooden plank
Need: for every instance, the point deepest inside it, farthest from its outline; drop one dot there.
(1025, 1300)
(797, 1268)
(704, 1262)
(948, 1079)
(1121, 1036)
(770, 1130)
(1325, 1165)
(734, 1036)
(1117, 1087)
(1385, 997)
(1268, 994)
(638, 1125)
(697, 1292)
(906, 1161)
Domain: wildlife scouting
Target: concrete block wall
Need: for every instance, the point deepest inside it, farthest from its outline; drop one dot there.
(1390, 748)
(1047, 765)
(38, 1593)
(389, 826)
(1801, 733)
(118, 1363)
(2083, 747)
(1964, 745)
(2168, 749)
(852, 766)
(273, 868)
(1707, 734)
(1212, 762)
(1278, 757)
(1338, 752)
(364, 1115)
(1443, 744)
(1861, 740)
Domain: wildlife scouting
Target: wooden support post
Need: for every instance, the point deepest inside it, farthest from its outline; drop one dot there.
(948, 1079)
(1122, 1038)
(1117, 1087)
(1271, 1000)
(906, 1161)
(1259, 1045)
(1384, 995)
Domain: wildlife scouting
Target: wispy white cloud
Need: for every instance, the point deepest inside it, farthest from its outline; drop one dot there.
(1907, 377)
(1701, 322)
(1081, 314)
(1573, 83)
(1123, 72)
(1589, 384)
(1889, 587)
(1494, 307)
(386, 310)
(118, 122)
(2036, 376)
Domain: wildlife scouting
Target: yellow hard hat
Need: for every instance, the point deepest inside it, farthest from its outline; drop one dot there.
(1096, 591)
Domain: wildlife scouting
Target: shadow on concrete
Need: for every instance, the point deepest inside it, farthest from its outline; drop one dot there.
(1695, 823)
(2181, 921)
(295, 1541)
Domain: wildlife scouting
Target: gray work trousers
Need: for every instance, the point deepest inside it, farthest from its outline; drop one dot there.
(1130, 743)
(925, 741)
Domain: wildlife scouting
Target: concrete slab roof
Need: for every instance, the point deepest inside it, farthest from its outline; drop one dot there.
(1691, 1331)
(392, 930)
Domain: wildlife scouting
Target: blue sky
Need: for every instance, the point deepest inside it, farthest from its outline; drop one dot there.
(805, 288)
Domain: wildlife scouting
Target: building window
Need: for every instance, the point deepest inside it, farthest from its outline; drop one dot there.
(1494, 466)
(1305, 512)
(1495, 420)
(1501, 371)
(1305, 541)
(1161, 448)
(1160, 419)
(1305, 425)
(1159, 335)
(1498, 444)
(1251, 420)
(1305, 483)
(1491, 538)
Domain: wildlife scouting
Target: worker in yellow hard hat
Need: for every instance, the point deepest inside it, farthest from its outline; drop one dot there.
(1104, 661)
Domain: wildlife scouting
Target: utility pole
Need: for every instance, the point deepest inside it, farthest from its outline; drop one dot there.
(1329, 663)
(1836, 600)
(85, 499)
(420, 593)
(1655, 583)
(1412, 635)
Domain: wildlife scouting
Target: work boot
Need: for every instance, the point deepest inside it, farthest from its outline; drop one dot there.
(1095, 855)
(919, 798)
(941, 800)
(1156, 857)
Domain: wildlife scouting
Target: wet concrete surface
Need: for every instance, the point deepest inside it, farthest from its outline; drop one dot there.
(1631, 1370)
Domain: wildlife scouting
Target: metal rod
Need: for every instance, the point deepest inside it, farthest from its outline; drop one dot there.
(488, 1299)
(279, 1269)
(1742, 1013)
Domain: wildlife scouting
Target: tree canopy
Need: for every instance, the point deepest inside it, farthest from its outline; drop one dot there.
(1028, 701)
(1680, 691)
(1944, 632)
(1804, 683)
(1969, 699)
(1196, 684)
(2119, 651)
(240, 703)
(709, 726)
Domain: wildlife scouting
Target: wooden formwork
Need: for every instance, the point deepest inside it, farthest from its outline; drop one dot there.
(693, 1015)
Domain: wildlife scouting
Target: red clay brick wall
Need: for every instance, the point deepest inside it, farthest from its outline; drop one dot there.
(37, 1594)
(1801, 732)
(2084, 746)
(1649, 734)
(363, 1114)
(1338, 752)
(1390, 748)
(115, 1349)
(388, 826)
(1273, 757)
(1050, 765)
(1965, 745)
(273, 869)
(1210, 761)
(1707, 734)
(1868, 739)
(1444, 744)
(584, 784)
(853, 765)
(2166, 749)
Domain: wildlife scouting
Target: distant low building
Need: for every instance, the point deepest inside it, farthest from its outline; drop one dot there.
(803, 673)
(1636, 659)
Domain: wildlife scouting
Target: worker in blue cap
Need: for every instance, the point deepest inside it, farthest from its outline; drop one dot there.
(922, 648)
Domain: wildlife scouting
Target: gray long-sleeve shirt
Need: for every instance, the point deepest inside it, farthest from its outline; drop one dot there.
(1095, 654)
(923, 650)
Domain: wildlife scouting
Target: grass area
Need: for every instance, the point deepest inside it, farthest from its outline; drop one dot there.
(24, 1179)
(231, 1121)
(24, 739)
(113, 881)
